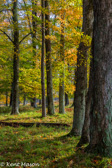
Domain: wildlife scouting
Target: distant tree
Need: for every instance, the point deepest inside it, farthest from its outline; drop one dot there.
(42, 62)
(34, 32)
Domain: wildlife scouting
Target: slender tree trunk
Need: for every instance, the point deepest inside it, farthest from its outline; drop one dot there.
(66, 99)
(48, 62)
(34, 26)
(81, 72)
(61, 82)
(6, 98)
(88, 30)
(15, 95)
(101, 113)
(42, 62)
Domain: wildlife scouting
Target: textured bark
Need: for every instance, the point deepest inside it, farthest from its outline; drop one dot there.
(101, 113)
(81, 72)
(85, 136)
(61, 82)
(88, 30)
(48, 63)
(15, 95)
(80, 93)
(42, 62)
(66, 99)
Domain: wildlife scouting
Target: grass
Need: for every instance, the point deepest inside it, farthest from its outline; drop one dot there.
(45, 147)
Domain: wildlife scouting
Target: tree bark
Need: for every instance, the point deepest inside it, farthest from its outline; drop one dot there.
(15, 95)
(42, 62)
(61, 82)
(81, 72)
(34, 26)
(6, 98)
(85, 136)
(88, 30)
(66, 99)
(101, 113)
(80, 93)
(48, 62)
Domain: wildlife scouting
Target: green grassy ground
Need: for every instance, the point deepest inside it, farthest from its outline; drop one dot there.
(41, 146)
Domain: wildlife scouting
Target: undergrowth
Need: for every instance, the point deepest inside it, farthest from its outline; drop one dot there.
(43, 147)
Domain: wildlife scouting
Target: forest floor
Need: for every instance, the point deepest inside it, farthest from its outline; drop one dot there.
(43, 147)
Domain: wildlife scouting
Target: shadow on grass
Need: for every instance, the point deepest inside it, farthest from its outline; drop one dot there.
(32, 145)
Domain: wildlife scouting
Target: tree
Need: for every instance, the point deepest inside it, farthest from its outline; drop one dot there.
(42, 62)
(88, 30)
(15, 88)
(101, 112)
(48, 61)
(81, 72)
(61, 82)
(34, 31)
(66, 99)
(16, 43)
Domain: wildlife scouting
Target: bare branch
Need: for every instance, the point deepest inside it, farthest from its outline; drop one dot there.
(25, 37)
(7, 35)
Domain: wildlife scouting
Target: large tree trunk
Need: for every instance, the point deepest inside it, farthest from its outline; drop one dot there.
(48, 62)
(15, 95)
(101, 113)
(88, 30)
(61, 82)
(85, 137)
(81, 72)
(80, 93)
(42, 62)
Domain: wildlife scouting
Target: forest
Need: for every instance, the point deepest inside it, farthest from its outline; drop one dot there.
(56, 83)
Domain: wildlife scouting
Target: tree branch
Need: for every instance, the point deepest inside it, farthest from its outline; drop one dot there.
(25, 37)
(7, 35)
(2, 10)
